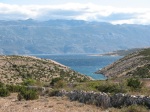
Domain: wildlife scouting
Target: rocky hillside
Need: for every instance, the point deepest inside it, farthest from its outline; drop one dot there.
(15, 69)
(135, 64)
(69, 36)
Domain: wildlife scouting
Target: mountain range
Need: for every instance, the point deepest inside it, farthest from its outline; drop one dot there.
(69, 37)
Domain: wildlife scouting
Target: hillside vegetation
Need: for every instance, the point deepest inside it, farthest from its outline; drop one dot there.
(31, 77)
(136, 64)
(16, 69)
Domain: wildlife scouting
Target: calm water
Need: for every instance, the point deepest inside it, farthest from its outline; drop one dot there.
(84, 64)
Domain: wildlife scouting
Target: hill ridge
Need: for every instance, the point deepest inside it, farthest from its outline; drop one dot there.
(134, 64)
(14, 69)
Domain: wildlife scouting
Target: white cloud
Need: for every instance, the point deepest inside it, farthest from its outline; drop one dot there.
(89, 12)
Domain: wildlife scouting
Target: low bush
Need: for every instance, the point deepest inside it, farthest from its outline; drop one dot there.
(1, 84)
(28, 94)
(58, 83)
(14, 88)
(111, 88)
(134, 83)
(29, 82)
(4, 92)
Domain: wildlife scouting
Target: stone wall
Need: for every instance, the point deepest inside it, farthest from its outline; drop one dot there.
(105, 100)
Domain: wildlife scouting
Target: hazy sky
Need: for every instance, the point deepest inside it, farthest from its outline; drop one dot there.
(113, 11)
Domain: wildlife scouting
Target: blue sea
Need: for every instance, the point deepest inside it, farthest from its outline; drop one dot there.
(85, 64)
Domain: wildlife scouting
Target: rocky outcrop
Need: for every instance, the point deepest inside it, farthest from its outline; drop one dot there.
(105, 100)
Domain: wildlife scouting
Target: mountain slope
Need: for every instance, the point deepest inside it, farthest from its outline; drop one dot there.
(135, 64)
(69, 36)
(15, 69)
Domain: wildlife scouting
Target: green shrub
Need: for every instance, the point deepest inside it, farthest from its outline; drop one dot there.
(29, 82)
(92, 85)
(14, 88)
(4, 92)
(1, 84)
(110, 88)
(134, 83)
(58, 83)
(28, 94)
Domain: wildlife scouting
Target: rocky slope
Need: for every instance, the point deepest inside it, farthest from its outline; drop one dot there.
(15, 69)
(135, 64)
(69, 36)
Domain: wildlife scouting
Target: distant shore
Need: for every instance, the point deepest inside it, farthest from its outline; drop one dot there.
(104, 55)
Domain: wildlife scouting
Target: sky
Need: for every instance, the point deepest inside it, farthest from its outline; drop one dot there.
(112, 11)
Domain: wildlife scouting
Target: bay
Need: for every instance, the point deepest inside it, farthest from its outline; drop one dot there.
(85, 64)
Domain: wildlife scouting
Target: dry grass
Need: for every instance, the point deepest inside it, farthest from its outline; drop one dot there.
(44, 104)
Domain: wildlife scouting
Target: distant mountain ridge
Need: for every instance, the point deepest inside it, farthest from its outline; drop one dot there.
(69, 36)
